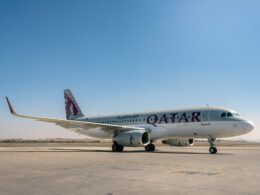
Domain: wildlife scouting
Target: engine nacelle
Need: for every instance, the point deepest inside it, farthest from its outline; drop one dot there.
(132, 138)
(179, 142)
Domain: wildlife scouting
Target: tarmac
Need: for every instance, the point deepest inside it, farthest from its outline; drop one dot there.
(61, 169)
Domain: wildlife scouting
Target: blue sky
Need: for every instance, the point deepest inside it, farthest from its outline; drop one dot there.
(126, 56)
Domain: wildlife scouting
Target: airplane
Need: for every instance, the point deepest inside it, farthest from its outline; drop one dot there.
(173, 127)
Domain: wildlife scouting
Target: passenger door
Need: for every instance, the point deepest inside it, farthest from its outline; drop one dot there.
(205, 119)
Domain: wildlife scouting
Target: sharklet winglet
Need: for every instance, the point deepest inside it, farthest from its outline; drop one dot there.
(10, 106)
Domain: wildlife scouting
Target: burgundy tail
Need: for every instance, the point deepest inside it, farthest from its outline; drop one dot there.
(72, 109)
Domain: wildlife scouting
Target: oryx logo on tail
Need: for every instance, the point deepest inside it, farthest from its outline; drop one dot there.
(72, 109)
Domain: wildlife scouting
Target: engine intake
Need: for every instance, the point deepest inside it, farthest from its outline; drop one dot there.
(179, 142)
(133, 138)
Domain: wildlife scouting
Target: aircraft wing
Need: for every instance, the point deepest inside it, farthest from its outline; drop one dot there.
(74, 124)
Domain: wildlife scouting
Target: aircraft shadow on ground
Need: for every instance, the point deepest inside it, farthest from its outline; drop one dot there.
(136, 151)
(108, 151)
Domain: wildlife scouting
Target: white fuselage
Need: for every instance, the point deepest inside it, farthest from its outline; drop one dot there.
(189, 123)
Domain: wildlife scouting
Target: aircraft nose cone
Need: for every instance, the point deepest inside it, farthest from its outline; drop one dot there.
(249, 126)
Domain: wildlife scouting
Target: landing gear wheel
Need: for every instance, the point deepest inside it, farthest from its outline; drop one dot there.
(213, 150)
(150, 147)
(121, 148)
(117, 148)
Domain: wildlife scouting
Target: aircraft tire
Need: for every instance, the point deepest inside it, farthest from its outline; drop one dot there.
(117, 148)
(121, 148)
(213, 150)
(150, 147)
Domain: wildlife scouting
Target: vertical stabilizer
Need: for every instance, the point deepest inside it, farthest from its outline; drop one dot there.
(72, 109)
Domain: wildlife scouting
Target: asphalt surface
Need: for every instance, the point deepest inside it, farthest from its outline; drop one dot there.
(96, 170)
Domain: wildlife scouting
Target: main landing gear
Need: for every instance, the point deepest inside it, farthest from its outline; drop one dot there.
(212, 149)
(150, 147)
(117, 148)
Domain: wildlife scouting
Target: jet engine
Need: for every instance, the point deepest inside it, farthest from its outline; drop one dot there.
(179, 142)
(132, 138)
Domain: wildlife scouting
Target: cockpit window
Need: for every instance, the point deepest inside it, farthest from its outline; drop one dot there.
(229, 114)
(223, 115)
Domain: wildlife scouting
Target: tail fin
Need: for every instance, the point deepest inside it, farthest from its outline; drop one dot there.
(72, 109)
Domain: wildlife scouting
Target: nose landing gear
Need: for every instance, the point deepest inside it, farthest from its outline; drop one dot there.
(213, 148)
